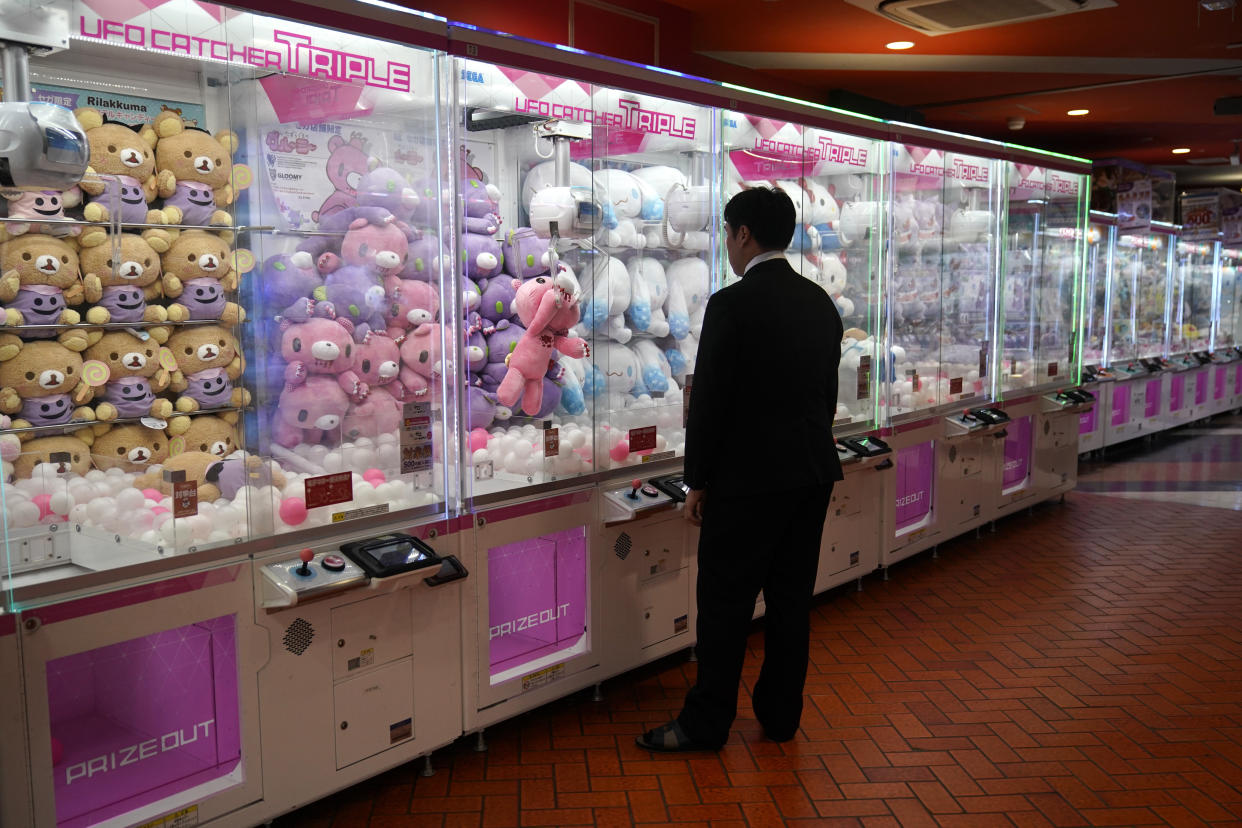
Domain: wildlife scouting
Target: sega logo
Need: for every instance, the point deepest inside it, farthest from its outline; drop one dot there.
(472, 76)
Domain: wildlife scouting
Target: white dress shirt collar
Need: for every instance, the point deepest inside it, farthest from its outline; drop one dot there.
(763, 257)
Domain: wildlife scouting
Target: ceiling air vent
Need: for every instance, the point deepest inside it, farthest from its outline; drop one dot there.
(937, 17)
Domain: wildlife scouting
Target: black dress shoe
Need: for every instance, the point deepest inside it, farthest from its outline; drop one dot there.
(670, 738)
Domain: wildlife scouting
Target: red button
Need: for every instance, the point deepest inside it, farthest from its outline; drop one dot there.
(333, 563)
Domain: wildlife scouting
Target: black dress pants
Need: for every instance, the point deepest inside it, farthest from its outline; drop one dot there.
(769, 542)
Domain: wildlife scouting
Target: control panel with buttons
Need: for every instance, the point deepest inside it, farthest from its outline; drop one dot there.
(291, 581)
(635, 499)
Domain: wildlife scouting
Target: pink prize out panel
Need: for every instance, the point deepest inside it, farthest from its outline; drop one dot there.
(1177, 392)
(1219, 374)
(1201, 387)
(143, 720)
(537, 596)
(916, 469)
(1087, 422)
(1151, 407)
(1017, 452)
(1121, 405)
(1237, 378)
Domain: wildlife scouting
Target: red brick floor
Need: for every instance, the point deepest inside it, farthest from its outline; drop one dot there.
(1080, 666)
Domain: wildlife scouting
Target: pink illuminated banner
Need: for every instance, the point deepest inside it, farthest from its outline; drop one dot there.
(916, 471)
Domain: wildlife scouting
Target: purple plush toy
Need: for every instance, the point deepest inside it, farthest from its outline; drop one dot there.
(480, 198)
(356, 295)
(39, 305)
(481, 256)
(496, 301)
(133, 397)
(286, 287)
(480, 407)
(210, 389)
(231, 475)
(387, 188)
(525, 254)
(204, 298)
(426, 258)
(125, 194)
(500, 343)
(54, 409)
(195, 200)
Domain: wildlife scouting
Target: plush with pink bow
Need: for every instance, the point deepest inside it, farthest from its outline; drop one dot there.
(548, 308)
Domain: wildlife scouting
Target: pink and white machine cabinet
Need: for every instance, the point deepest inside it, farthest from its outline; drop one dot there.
(1095, 328)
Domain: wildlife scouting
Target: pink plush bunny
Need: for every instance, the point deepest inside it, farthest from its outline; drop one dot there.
(548, 308)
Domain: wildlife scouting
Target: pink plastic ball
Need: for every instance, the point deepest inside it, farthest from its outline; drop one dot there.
(374, 476)
(293, 510)
(620, 451)
(478, 439)
(44, 502)
(153, 494)
(158, 510)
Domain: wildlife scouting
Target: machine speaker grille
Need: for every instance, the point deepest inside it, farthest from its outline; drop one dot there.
(298, 636)
(623, 546)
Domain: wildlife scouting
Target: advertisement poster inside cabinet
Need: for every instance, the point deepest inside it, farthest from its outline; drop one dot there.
(143, 720)
(916, 473)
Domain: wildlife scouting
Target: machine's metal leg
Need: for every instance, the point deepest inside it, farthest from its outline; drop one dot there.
(428, 770)
(859, 583)
(978, 532)
(1062, 497)
(598, 695)
(1030, 510)
(935, 552)
(886, 573)
(480, 744)
(992, 526)
(693, 655)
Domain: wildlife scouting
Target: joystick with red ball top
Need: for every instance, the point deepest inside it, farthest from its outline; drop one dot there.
(636, 483)
(307, 555)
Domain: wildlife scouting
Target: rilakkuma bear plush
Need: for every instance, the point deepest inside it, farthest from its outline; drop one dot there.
(348, 162)
(548, 308)
(43, 211)
(322, 347)
(209, 362)
(130, 447)
(121, 277)
(357, 296)
(524, 253)
(607, 285)
(310, 413)
(688, 285)
(195, 175)
(198, 270)
(120, 179)
(40, 280)
(205, 432)
(61, 454)
(42, 383)
(10, 448)
(378, 358)
(651, 272)
(194, 464)
(410, 303)
(136, 371)
(422, 363)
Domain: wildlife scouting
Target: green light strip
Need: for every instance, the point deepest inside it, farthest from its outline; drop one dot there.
(1049, 153)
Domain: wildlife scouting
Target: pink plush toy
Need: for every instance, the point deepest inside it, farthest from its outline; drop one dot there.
(410, 303)
(421, 363)
(321, 347)
(383, 245)
(378, 360)
(548, 308)
(38, 207)
(311, 412)
(380, 414)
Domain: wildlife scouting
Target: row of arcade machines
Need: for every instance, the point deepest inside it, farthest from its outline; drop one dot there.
(343, 396)
(1160, 348)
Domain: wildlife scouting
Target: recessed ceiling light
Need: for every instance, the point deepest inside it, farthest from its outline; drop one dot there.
(1181, 150)
(900, 44)
(1077, 112)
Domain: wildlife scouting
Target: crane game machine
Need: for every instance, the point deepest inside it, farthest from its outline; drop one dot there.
(835, 182)
(1229, 332)
(244, 213)
(1096, 292)
(1039, 366)
(1190, 321)
(944, 219)
(589, 226)
(1207, 218)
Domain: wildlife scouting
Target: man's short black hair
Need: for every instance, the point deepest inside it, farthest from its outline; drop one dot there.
(768, 212)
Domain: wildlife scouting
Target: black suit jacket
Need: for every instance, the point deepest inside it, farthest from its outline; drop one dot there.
(764, 392)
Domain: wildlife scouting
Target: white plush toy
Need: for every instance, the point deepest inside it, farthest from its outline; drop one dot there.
(805, 266)
(689, 281)
(650, 272)
(625, 192)
(616, 372)
(606, 296)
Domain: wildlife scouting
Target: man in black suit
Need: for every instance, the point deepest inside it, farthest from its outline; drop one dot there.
(760, 464)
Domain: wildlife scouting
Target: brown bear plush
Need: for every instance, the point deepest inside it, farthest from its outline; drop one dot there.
(209, 362)
(198, 269)
(42, 384)
(72, 453)
(205, 432)
(120, 178)
(130, 447)
(40, 281)
(137, 371)
(195, 465)
(195, 172)
(122, 279)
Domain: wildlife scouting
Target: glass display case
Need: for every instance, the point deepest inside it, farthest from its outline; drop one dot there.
(1096, 285)
(1040, 280)
(942, 252)
(1190, 297)
(243, 343)
(590, 219)
(1137, 306)
(1229, 327)
(835, 183)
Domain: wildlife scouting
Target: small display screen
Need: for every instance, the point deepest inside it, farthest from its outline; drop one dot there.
(390, 554)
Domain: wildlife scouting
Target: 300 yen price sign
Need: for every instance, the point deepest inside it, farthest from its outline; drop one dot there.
(328, 489)
(643, 439)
